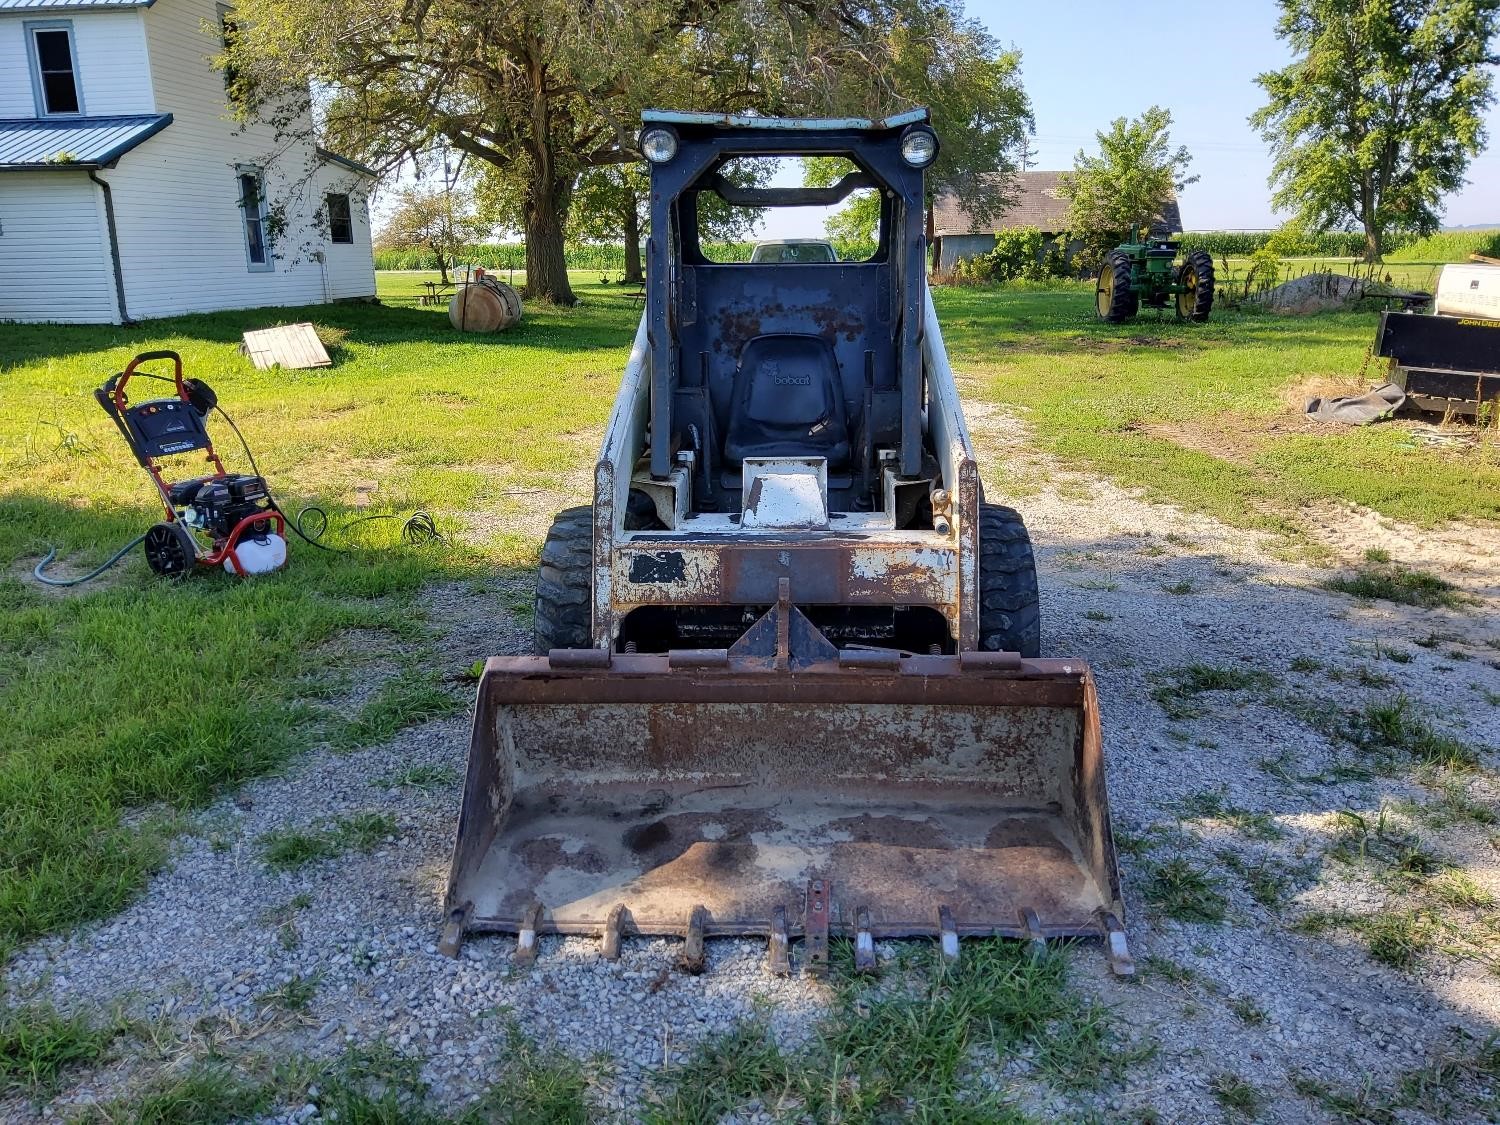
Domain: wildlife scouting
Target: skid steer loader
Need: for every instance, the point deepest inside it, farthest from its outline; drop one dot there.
(787, 678)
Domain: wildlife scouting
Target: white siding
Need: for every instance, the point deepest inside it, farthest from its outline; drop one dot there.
(112, 67)
(112, 63)
(348, 267)
(54, 249)
(16, 99)
(176, 196)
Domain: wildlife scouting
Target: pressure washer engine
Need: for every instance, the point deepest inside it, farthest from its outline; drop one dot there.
(220, 519)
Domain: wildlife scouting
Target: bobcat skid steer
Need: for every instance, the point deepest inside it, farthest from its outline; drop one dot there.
(787, 678)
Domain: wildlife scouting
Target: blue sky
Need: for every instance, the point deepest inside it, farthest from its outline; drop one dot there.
(1085, 62)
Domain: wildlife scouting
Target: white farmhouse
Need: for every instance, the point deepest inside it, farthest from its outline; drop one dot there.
(127, 191)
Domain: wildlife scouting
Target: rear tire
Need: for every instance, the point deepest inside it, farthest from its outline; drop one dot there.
(564, 583)
(1010, 617)
(169, 550)
(1196, 300)
(1115, 298)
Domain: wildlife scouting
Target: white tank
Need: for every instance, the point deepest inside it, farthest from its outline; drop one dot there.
(1469, 291)
(258, 556)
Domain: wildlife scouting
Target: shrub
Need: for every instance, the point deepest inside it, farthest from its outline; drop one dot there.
(1020, 254)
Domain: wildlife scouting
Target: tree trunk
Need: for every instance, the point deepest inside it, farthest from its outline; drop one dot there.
(1373, 243)
(442, 261)
(546, 260)
(633, 273)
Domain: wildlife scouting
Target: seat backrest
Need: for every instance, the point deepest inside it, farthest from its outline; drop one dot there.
(788, 401)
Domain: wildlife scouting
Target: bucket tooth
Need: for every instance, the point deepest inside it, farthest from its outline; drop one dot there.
(948, 939)
(864, 942)
(609, 942)
(692, 960)
(526, 943)
(779, 952)
(1117, 949)
(1034, 936)
(453, 930)
(815, 927)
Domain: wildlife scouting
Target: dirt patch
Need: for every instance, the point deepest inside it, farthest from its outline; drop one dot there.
(1236, 438)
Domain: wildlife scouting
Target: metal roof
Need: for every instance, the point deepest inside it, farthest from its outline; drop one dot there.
(73, 142)
(31, 6)
(810, 124)
(352, 165)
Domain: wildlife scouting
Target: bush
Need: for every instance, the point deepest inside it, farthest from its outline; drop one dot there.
(1020, 254)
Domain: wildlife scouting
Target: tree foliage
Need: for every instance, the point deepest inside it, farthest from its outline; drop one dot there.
(544, 90)
(955, 67)
(1129, 183)
(1379, 114)
(441, 220)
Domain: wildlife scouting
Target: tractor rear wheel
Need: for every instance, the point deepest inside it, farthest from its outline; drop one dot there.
(1115, 298)
(1009, 612)
(564, 583)
(1196, 277)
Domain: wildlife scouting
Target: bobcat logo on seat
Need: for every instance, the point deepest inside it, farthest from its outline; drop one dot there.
(773, 370)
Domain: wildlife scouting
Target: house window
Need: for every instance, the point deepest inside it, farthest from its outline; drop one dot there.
(340, 223)
(253, 207)
(54, 68)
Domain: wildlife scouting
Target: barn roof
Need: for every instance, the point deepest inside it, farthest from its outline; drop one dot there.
(32, 6)
(1038, 204)
(32, 143)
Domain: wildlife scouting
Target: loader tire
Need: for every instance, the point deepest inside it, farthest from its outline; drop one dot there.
(1115, 298)
(564, 582)
(1010, 617)
(1196, 300)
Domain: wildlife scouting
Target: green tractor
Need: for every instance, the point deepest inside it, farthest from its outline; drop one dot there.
(1147, 273)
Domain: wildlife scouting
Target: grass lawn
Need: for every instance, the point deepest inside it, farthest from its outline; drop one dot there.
(130, 699)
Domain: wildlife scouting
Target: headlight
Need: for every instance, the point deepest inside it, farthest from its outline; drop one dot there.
(659, 145)
(919, 148)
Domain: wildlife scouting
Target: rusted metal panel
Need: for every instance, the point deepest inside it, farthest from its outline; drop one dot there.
(823, 569)
(815, 926)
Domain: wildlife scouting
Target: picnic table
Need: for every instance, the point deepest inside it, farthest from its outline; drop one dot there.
(434, 294)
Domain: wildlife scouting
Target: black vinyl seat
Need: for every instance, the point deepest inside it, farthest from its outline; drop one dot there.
(788, 401)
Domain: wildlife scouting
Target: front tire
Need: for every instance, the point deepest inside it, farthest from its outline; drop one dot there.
(1010, 618)
(1115, 298)
(1196, 277)
(564, 583)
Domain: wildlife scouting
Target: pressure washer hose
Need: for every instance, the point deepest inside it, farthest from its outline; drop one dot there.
(52, 554)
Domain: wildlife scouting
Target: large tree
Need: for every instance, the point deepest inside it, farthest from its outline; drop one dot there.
(940, 58)
(543, 90)
(612, 204)
(440, 220)
(1129, 183)
(1379, 114)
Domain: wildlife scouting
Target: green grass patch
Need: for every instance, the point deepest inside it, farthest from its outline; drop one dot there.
(1177, 690)
(1214, 805)
(38, 1045)
(1178, 889)
(1398, 937)
(404, 700)
(289, 849)
(1391, 737)
(1235, 1095)
(204, 1092)
(908, 1044)
(421, 777)
(1393, 582)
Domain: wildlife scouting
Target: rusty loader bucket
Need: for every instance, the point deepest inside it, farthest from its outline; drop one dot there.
(788, 789)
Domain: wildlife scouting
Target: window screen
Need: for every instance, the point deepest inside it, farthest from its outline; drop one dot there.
(340, 223)
(58, 85)
(253, 205)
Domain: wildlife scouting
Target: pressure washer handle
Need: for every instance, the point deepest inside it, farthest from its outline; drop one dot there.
(146, 357)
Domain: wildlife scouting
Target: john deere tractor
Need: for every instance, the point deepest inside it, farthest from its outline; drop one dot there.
(1147, 273)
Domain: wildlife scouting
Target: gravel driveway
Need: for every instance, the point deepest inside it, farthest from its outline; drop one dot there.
(1244, 782)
